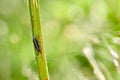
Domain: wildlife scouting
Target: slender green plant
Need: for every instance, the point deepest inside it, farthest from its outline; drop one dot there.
(38, 39)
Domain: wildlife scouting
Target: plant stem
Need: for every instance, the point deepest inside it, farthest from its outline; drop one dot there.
(37, 33)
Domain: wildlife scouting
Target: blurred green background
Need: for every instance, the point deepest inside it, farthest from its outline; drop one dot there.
(81, 37)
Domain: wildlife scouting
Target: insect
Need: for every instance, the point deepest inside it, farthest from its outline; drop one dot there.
(36, 45)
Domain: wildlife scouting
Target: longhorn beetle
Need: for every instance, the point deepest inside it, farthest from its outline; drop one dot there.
(36, 45)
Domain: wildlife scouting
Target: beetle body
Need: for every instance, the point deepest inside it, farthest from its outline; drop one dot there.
(36, 45)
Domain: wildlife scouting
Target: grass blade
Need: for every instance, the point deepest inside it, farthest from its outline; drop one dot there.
(37, 34)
